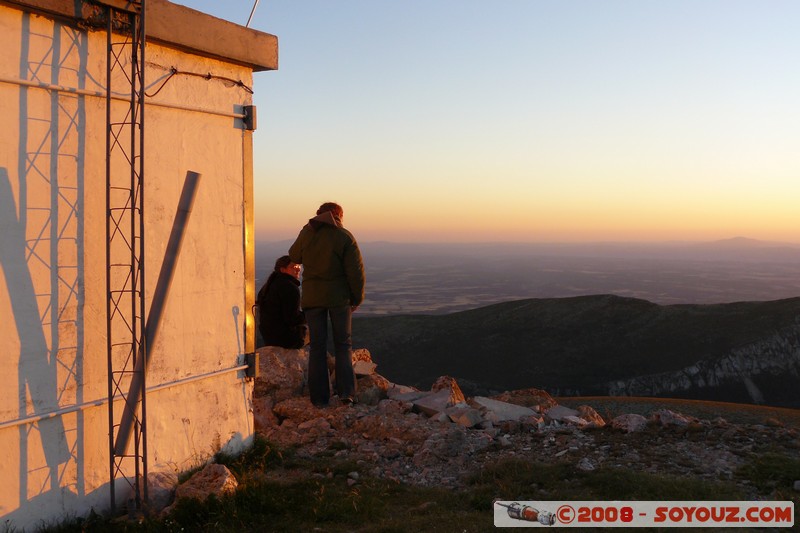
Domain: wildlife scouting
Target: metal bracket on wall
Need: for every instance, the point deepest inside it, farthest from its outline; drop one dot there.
(250, 118)
(251, 360)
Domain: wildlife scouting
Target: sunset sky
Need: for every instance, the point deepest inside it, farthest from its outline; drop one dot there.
(529, 120)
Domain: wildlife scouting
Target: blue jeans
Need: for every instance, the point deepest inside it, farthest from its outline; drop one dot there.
(318, 378)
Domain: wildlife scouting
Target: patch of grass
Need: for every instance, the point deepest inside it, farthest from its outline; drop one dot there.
(262, 455)
(517, 479)
(771, 472)
(91, 523)
(315, 505)
(326, 503)
(374, 505)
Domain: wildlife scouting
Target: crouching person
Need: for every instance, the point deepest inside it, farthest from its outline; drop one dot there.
(281, 320)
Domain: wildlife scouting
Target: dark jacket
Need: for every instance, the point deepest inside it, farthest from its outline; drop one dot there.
(281, 322)
(333, 271)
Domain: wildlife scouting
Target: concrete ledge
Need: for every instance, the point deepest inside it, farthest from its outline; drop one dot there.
(177, 27)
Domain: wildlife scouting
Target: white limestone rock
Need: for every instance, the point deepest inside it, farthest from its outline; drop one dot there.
(497, 411)
(629, 423)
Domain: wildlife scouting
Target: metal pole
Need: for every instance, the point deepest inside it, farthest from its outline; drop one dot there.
(140, 46)
(252, 12)
(109, 295)
(157, 308)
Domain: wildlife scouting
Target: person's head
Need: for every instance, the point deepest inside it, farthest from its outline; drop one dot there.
(285, 265)
(334, 208)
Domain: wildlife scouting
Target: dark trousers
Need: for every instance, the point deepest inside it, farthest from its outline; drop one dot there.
(318, 379)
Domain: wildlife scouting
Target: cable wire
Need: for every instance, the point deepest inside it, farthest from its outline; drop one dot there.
(207, 76)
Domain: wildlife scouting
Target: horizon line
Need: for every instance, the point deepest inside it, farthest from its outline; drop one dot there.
(729, 240)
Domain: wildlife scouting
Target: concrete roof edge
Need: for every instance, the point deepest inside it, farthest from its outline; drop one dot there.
(197, 32)
(182, 28)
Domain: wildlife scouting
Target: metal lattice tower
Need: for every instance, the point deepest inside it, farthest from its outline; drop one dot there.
(127, 345)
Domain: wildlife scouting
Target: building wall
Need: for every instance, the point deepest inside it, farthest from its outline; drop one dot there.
(54, 447)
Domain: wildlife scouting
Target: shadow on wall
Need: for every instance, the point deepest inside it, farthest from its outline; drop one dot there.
(41, 255)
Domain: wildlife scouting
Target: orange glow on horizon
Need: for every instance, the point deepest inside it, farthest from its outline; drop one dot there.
(545, 225)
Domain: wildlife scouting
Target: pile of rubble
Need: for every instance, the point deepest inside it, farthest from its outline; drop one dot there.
(439, 437)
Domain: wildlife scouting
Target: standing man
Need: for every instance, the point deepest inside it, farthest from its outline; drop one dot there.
(333, 286)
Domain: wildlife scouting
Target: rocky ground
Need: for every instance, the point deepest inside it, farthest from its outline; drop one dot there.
(440, 438)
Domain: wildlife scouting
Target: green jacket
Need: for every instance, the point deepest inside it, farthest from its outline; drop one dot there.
(333, 271)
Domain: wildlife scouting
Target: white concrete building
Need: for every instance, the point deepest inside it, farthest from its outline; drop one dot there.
(55, 452)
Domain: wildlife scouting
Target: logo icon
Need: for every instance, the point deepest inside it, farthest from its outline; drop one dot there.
(529, 514)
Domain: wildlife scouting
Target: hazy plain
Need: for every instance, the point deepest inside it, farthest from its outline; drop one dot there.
(407, 278)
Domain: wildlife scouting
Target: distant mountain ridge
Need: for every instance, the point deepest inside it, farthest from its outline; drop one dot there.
(745, 242)
(745, 352)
